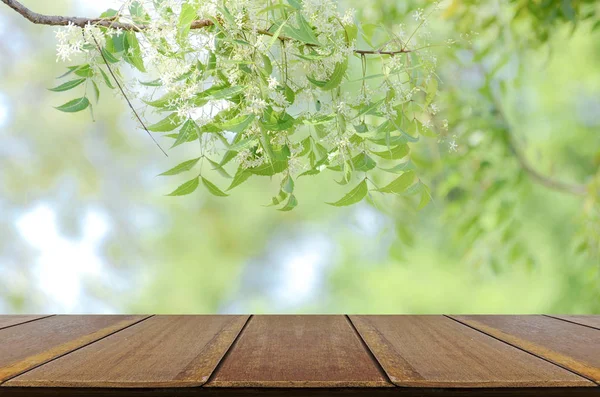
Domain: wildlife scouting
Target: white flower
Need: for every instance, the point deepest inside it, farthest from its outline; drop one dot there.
(257, 106)
(452, 145)
(419, 15)
(273, 83)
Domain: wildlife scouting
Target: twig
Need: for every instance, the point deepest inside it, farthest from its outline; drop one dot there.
(125, 95)
(379, 52)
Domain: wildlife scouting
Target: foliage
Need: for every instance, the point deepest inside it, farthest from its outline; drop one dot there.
(264, 88)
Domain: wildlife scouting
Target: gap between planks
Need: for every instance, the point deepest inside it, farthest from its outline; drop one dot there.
(71, 351)
(570, 321)
(28, 321)
(369, 351)
(226, 354)
(524, 350)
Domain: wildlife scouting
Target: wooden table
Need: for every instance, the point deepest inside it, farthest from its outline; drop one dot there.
(143, 355)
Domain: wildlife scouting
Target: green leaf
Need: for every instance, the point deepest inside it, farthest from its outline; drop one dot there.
(217, 167)
(76, 105)
(290, 205)
(213, 189)
(431, 92)
(82, 70)
(296, 4)
(240, 177)
(108, 56)
(187, 16)
(243, 144)
(96, 91)
(182, 167)
(400, 168)
(107, 80)
(351, 32)
(270, 169)
(354, 196)
(268, 66)
(163, 101)
(303, 32)
(67, 86)
(272, 122)
(336, 77)
(153, 83)
(290, 95)
(227, 92)
(395, 153)
(362, 162)
(399, 184)
(189, 131)
(133, 53)
(287, 185)
(169, 123)
(369, 108)
(425, 196)
(238, 124)
(186, 188)
(111, 12)
(275, 36)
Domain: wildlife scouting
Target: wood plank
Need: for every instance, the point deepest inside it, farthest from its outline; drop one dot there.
(298, 392)
(163, 351)
(30, 344)
(298, 351)
(435, 351)
(570, 345)
(589, 321)
(12, 320)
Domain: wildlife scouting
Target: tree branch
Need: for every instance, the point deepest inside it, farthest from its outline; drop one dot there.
(56, 20)
(572, 188)
(551, 183)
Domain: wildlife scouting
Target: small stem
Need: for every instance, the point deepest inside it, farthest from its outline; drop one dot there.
(125, 96)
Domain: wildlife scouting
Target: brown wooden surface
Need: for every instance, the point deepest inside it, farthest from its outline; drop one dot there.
(219, 356)
(163, 351)
(9, 321)
(435, 351)
(299, 392)
(27, 345)
(572, 346)
(590, 321)
(298, 351)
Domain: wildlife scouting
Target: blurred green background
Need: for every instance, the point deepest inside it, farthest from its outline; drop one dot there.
(85, 226)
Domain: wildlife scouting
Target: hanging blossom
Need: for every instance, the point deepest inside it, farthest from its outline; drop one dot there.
(280, 91)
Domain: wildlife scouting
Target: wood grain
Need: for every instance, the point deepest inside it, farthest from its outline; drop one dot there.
(589, 321)
(28, 345)
(12, 320)
(570, 345)
(298, 392)
(435, 351)
(163, 351)
(298, 351)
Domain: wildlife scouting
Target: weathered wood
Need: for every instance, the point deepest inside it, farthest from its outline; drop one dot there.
(590, 321)
(163, 351)
(28, 345)
(435, 351)
(298, 351)
(299, 392)
(572, 346)
(12, 320)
